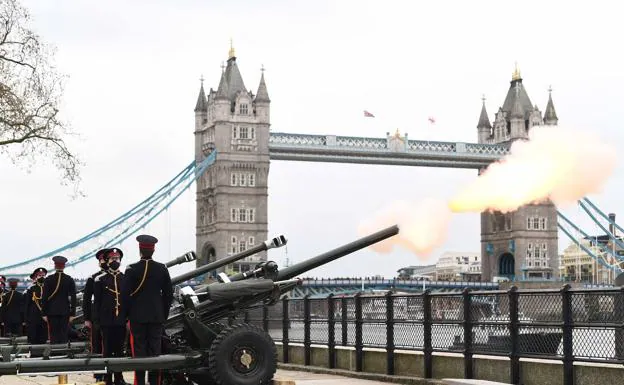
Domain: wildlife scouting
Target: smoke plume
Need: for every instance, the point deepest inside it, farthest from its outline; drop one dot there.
(423, 226)
(556, 163)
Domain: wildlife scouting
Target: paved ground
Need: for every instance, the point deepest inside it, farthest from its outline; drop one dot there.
(300, 378)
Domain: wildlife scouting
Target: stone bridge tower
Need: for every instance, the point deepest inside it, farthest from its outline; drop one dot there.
(521, 244)
(232, 194)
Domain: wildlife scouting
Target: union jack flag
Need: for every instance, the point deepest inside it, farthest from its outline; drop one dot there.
(368, 114)
(431, 120)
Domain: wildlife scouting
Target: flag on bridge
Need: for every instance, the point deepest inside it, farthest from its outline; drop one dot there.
(368, 114)
(431, 120)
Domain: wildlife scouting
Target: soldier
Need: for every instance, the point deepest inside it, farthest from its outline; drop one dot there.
(110, 311)
(148, 293)
(35, 326)
(12, 311)
(88, 308)
(59, 302)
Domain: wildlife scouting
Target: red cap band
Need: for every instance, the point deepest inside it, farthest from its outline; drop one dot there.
(58, 265)
(149, 246)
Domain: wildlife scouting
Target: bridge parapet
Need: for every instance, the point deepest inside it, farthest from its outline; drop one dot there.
(394, 149)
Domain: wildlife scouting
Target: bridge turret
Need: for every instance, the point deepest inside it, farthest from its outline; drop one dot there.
(550, 116)
(262, 101)
(484, 127)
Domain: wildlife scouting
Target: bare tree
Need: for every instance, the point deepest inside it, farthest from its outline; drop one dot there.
(30, 91)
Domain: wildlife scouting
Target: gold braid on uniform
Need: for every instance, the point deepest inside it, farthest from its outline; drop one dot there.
(11, 297)
(36, 299)
(116, 292)
(58, 284)
(142, 279)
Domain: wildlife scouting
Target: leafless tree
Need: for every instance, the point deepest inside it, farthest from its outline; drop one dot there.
(31, 129)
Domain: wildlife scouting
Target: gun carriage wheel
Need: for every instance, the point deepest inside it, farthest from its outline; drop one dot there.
(242, 354)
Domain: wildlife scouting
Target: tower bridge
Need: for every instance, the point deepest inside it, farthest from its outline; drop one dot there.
(232, 195)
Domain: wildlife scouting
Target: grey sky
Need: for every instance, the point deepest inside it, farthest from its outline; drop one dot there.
(134, 71)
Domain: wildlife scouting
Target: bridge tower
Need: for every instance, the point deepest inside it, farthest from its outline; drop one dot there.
(232, 194)
(521, 244)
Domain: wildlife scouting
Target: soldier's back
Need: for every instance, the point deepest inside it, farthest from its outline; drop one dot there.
(144, 283)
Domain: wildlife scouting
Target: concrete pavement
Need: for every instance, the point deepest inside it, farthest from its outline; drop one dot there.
(299, 378)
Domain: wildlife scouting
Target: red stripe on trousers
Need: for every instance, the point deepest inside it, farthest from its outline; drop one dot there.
(132, 349)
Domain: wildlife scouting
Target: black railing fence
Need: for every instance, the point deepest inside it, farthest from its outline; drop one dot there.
(569, 325)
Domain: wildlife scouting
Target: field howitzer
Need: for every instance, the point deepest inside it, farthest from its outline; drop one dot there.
(197, 349)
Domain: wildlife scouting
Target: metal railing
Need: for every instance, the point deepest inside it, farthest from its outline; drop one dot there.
(567, 325)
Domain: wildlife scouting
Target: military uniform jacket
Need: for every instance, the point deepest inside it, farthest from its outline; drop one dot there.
(110, 309)
(59, 296)
(12, 310)
(32, 304)
(88, 307)
(147, 291)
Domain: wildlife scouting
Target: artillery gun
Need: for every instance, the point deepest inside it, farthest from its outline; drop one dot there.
(197, 348)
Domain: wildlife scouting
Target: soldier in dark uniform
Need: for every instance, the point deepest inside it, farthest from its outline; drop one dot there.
(59, 302)
(36, 327)
(88, 308)
(12, 311)
(148, 293)
(111, 312)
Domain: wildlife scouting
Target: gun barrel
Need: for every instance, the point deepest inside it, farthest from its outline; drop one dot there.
(307, 265)
(188, 257)
(278, 241)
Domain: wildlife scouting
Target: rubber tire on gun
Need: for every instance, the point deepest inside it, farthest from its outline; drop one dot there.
(242, 354)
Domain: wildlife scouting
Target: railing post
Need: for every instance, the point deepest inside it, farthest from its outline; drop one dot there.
(285, 328)
(618, 308)
(331, 332)
(246, 317)
(358, 333)
(306, 330)
(389, 333)
(265, 318)
(344, 320)
(427, 326)
(467, 334)
(568, 353)
(514, 332)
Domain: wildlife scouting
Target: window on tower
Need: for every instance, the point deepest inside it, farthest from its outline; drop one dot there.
(242, 246)
(234, 132)
(251, 179)
(234, 215)
(243, 179)
(234, 179)
(244, 133)
(252, 133)
(243, 109)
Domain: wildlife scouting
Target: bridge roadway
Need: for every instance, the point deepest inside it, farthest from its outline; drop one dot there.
(323, 287)
(393, 150)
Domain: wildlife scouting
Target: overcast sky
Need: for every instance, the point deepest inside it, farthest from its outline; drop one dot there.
(134, 69)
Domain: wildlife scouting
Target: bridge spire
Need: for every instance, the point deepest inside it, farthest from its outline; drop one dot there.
(550, 115)
(201, 104)
(484, 121)
(262, 95)
(516, 73)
